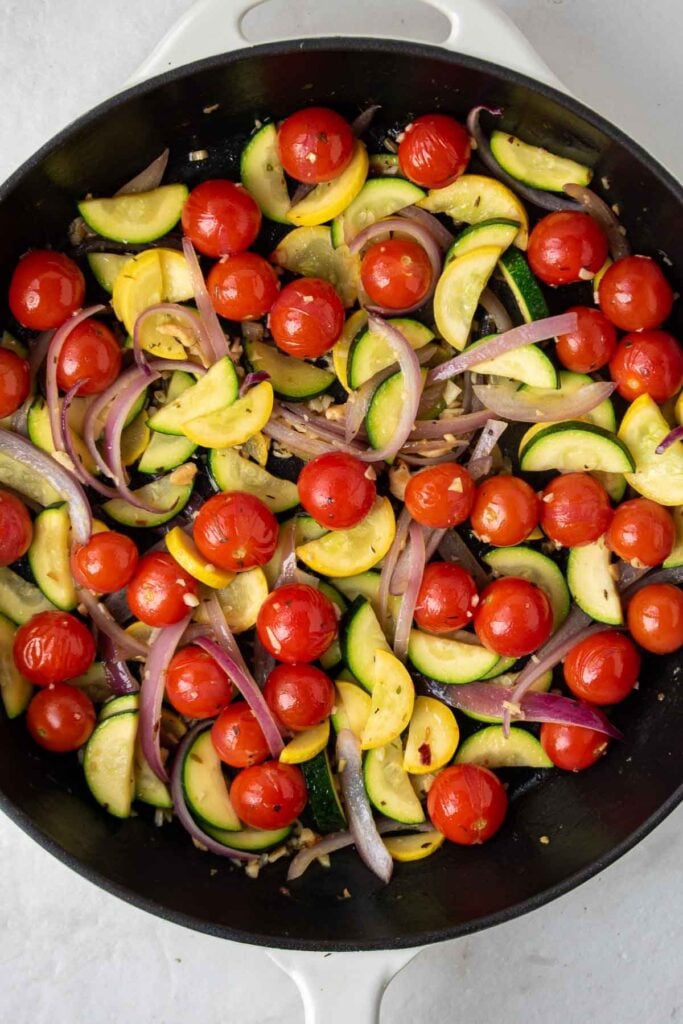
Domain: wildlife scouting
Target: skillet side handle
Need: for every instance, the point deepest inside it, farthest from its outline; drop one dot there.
(342, 988)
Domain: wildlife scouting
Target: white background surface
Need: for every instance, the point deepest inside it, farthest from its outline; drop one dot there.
(612, 951)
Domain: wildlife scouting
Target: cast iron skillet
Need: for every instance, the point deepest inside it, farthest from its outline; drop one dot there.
(591, 818)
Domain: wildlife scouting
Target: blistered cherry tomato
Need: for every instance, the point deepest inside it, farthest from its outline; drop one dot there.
(270, 795)
(446, 599)
(90, 354)
(196, 685)
(296, 623)
(61, 718)
(602, 669)
(236, 531)
(648, 363)
(441, 496)
(635, 295)
(16, 528)
(161, 593)
(306, 318)
(396, 274)
(46, 288)
(238, 738)
(15, 382)
(315, 145)
(467, 803)
(513, 617)
(300, 696)
(53, 647)
(575, 510)
(434, 150)
(506, 510)
(572, 747)
(243, 287)
(336, 490)
(655, 618)
(642, 532)
(107, 562)
(566, 246)
(220, 218)
(591, 345)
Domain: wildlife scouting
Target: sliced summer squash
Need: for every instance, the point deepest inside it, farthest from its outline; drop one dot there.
(135, 217)
(293, 379)
(473, 198)
(263, 176)
(591, 582)
(658, 477)
(218, 388)
(235, 423)
(309, 251)
(232, 472)
(377, 199)
(168, 497)
(492, 749)
(447, 660)
(349, 552)
(388, 784)
(392, 701)
(535, 166)
(457, 294)
(331, 198)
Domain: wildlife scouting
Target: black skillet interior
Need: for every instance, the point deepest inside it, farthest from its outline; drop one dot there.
(590, 818)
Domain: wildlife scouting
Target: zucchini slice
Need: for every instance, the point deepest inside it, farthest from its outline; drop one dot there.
(331, 198)
(377, 199)
(20, 600)
(349, 552)
(473, 198)
(138, 217)
(106, 267)
(291, 378)
(384, 165)
(384, 409)
(94, 683)
(153, 276)
(241, 600)
(117, 705)
(575, 446)
(232, 472)
(204, 785)
(309, 252)
(499, 232)
(168, 497)
(388, 785)
(16, 691)
(233, 424)
(458, 291)
(392, 701)
(535, 166)
(658, 477)
(537, 568)
(168, 451)
(13, 474)
(40, 432)
(523, 286)
(592, 584)
(370, 353)
(676, 557)
(251, 840)
(149, 789)
(340, 351)
(186, 553)
(492, 749)
(569, 382)
(263, 176)
(352, 707)
(433, 737)
(219, 387)
(528, 364)
(109, 763)
(332, 657)
(449, 661)
(361, 636)
(49, 557)
(323, 799)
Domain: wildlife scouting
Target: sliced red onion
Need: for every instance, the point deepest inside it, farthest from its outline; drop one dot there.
(416, 565)
(298, 443)
(214, 332)
(124, 644)
(263, 663)
(420, 235)
(525, 407)
(116, 672)
(161, 651)
(362, 825)
(430, 397)
(601, 212)
(253, 330)
(361, 123)
(299, 415)
(53, 354)
(339, 840)
(252, 379)
(441, 235)
(433, 539)
(302, 190)
(389, 565)
(628, 574)
(673, 575)
(287, 572)
(183, 316)
(147, 179)
(113, 429)
(359, 400)
(492, 305)
(454, 549)
(117, 605)
(425, 461)
(84, 475)
(480, 461)
(674, 435)
(37, 354)
(439, 429)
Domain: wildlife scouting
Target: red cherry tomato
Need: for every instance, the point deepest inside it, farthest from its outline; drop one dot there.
(296, 623)
(46, 288)
(220, 218)
(565, 246)
(655, 618)
(336, 490)
(467, 803)
(635, 295)
(396, 274)
(61, 718)
(446, 598)
(306, 318)
(243, 287)
(648, 363)
(196, 685)
(642, 532)
(434, 151)
(572, 747)
(16, 528)
(15, 382)
(506, 510)
(90, 354)
(161, 593)
(238, 738)
(591, 345)
(602, 669)
(441, 496)
(236, 531)
(575, 510)
(300, 696)
(53, 647)
(107, 562)
(513, 617)
(270, 795)
(315, 145)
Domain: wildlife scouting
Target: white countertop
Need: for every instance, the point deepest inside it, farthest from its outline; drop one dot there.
(611, 950)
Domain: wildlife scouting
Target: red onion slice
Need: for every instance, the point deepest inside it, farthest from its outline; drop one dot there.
(116, 672)
(525, 407)
(287, 572)
(481, 461)
(124, 643)
(113, 430)
(604, 216)
(673, 575)
(492, 305)
(183, 316)
(433, 539)
(415, 231)
(53, 354)
(674, 435)
(441, 235)
(454, 549)
(362, 825)
(389, 565)
(358, 401)
(161, 651)
(84, 475)
(438, 429)
(416, 565)
(339, 840)
(361, 123)
(214, 332)
(252, 379)
(147, 179)
(38, 352)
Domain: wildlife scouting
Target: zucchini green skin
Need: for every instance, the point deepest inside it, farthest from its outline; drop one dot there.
(294, 379)
(218, 388)
(490, 748)
(49, 557)
(535, 166)
(523, 285)
(536, 567)
(119, 218)
(500, 231)
(16, 692)
(379, 198)
(20, 600)
(128, 515)
(168, 451)
(205, 788)
(129, 702)
(449, 661)
(332, 657)
(576, 446)
(262, 174)
(323, 800)
(361, 635)
(388, 785)
(250, 840)
(592, 584)
(109, 763)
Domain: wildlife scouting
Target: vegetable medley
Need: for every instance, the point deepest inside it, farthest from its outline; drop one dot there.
(275, 529)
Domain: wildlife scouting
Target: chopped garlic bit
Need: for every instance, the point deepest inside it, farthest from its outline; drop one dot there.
(197, 155)
(545, 840)
(512, 707)
(321, 403)
(335, 412)
(252, 869)
(210, 109)
(191, 600)
(585, 274)
(370, 473)
(456, 485)
(399, 475)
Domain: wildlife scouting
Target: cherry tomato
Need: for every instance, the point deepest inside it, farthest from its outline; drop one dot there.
(635, 295)
(238, 738)
(16, 528)
(220, 218)
(196, 685)
(602, 669)
(236, 531)
(648, 363)
(243, 287)
(315, 145)
(591, 345)
(15, 382)
(572, 747)
(300, 696)
(575, 510)
(396, 274)
(565, 247)
(655, 618)
(513, 617)
(506, 510)
(53, 647)
(306, 318)
(641, 532)
(441, 496)
(296, 623)
(90, 354)
(270, 795)
(336, 490)
(61, 718)
(46, 288)
(446, 598)
(161, 593)
(467, 803)
(107, 562)
(434, 151)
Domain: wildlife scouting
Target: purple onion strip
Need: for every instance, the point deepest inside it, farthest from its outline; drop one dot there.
(416, 565)
(362, 825)
(161, 651)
